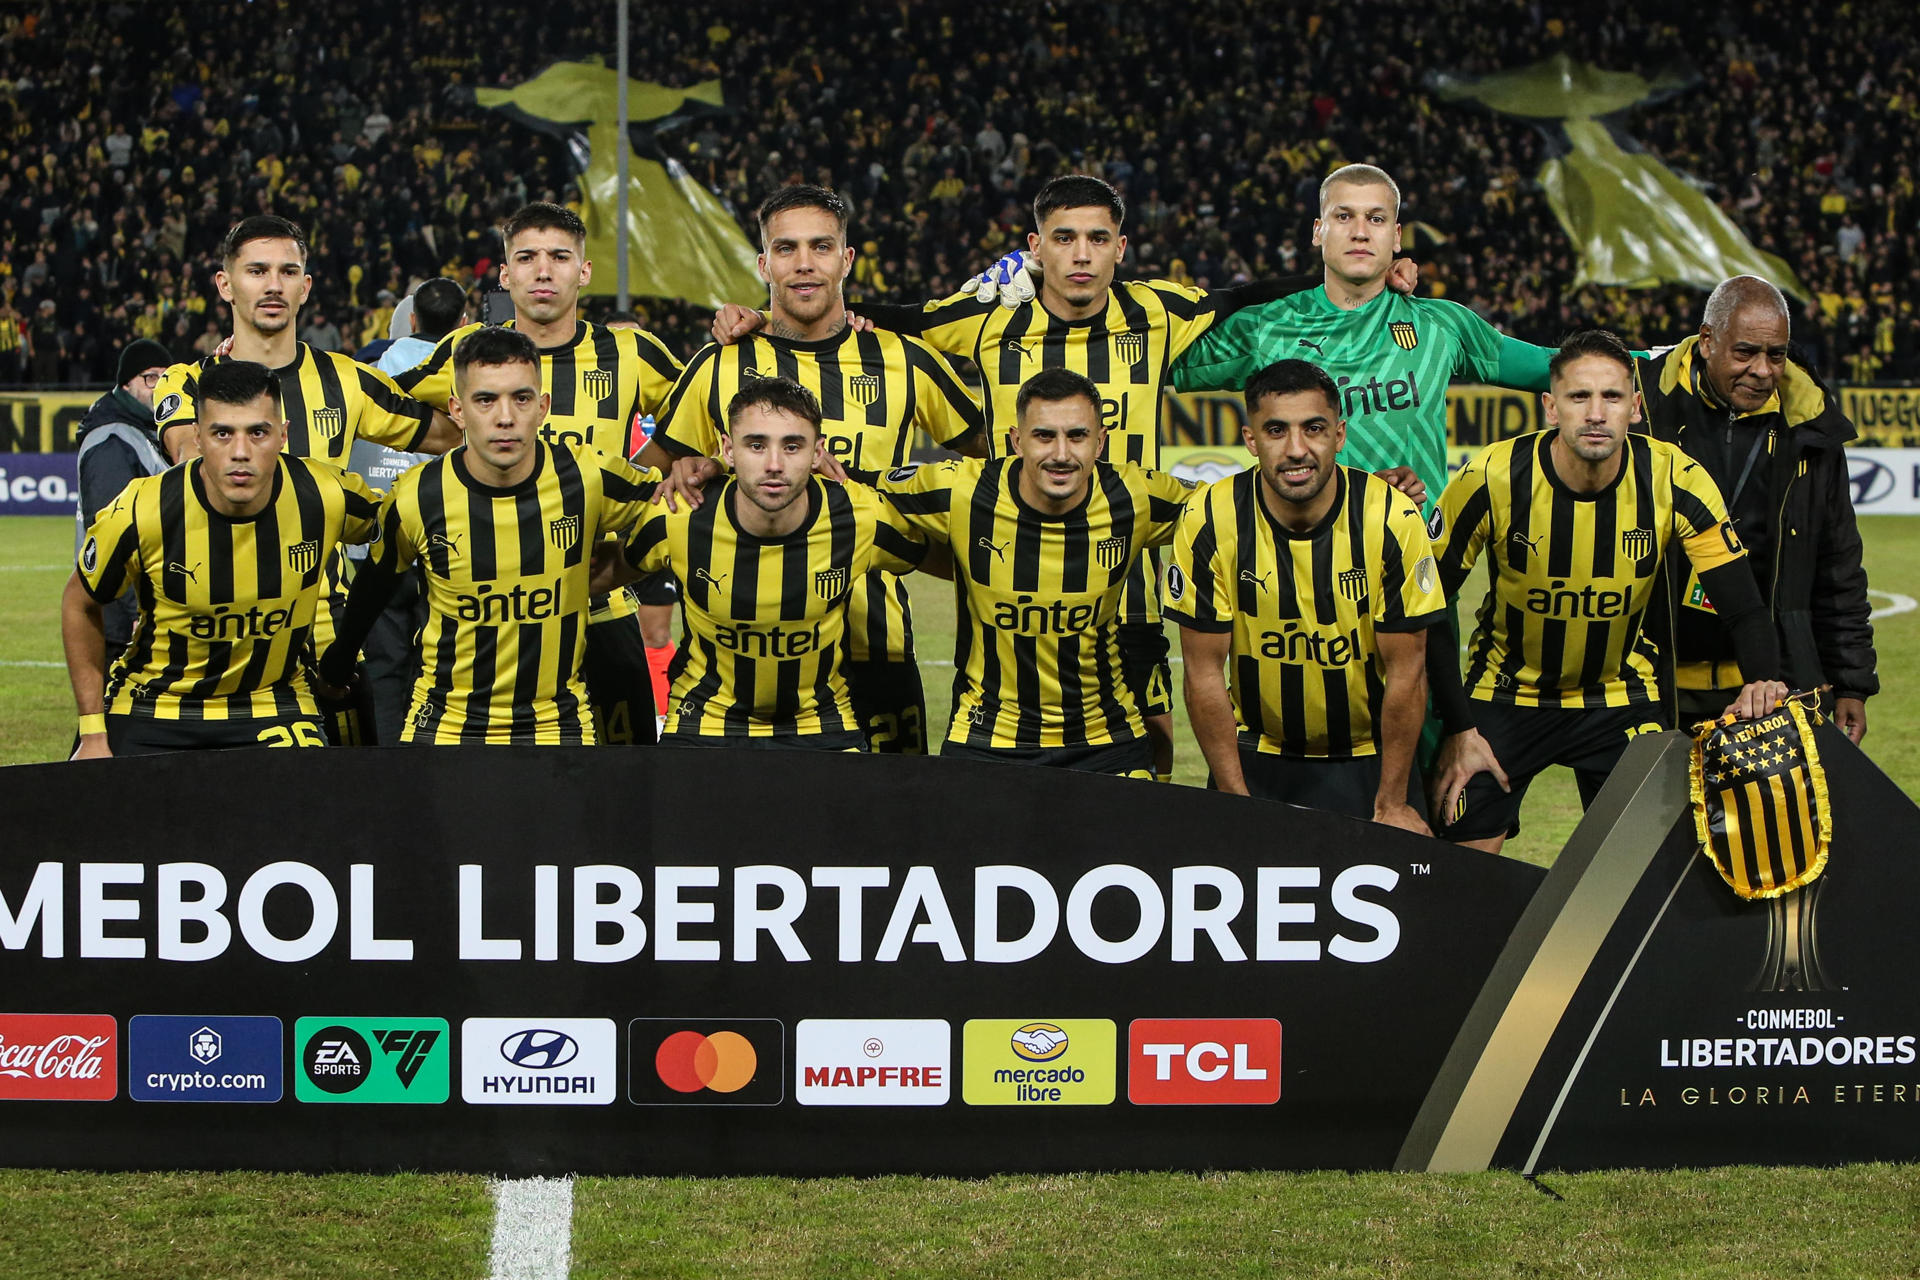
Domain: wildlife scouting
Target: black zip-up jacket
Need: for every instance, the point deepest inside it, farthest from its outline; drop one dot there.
(1804, 543)
(117, 446)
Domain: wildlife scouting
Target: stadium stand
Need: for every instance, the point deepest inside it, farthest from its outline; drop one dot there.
(130, 142)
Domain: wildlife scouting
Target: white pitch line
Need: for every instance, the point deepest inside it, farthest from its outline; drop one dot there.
(27, 662)
(33, 568)
(532, 1229)
(1901, 604)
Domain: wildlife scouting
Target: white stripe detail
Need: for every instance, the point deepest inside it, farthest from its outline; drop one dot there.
(532, 1229)
(1901, 604)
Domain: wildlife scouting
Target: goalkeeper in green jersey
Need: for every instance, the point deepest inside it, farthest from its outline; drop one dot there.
(1390, 354)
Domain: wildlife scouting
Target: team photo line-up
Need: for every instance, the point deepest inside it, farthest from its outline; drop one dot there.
(482, 539)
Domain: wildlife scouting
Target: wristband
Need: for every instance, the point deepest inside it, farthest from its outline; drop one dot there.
(94, 723)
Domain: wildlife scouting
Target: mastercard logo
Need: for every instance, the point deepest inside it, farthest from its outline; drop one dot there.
(724, 1062)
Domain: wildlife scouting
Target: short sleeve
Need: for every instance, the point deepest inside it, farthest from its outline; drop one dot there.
(647, 548)
(1226, 354)
(1410, 597)
(898, 546)
(1462, 522)
(361, 508)
(1199, 590)
(943, 406)
(1190, 313)
(686, 427)
(431, 381)
(954, 324)
(1700, 516)
(174, 398)
(111, 548)
(923, 495)
(626, 492)
(1167, 498)
(388, 415)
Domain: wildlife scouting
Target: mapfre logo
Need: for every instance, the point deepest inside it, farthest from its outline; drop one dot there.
(873, 1062)
(1203, 1061)
(59, 1057)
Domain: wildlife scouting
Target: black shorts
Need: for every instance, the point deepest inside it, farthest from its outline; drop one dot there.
(1527, 740)
(619, 683)
(1124, 759)
(839, 740)
(1143, 662)
(657, 589)
(890, 706)
(1338, 786)
(142, 736)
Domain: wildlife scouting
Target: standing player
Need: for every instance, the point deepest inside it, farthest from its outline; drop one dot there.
(657, 593)
(598, 380)
(1390, 355)
(506, 527)
(225, 555)
(1043, 542)
(1574, 522)
(766, 562)
(1122, 335)
(1314, 583)
(876, 390)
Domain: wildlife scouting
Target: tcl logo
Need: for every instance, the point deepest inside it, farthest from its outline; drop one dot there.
(1201, 1061)
(59, 1057)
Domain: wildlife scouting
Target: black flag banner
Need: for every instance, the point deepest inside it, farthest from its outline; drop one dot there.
(1760, 799)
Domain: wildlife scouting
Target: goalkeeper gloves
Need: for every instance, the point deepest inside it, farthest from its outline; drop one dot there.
(1009, 280)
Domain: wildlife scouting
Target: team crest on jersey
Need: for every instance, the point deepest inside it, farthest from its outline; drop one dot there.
(1637, 543)
(168, 407)
(1436, 524)
(1353, 584)
(598, 383)
(1110, 553)
(1130, 347)
(1423, 575)
(564, 533)
(303, 557)
(864, 387)
(830, 584)
(1403, 335)
(90, 556)
(1176, 583)
(327, 423)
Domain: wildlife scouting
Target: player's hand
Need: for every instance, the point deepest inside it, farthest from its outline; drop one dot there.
(328, 694)
(225, 348)
(93, 746)
(1398, 813)
(1851, 715)
(1461, 757)
(604, 568)
(860, 324)
(1009, 281)
(686, 482)
(1406, 481)
(830, 467)
(1403, 276)
(1757, 699)
(733, 322)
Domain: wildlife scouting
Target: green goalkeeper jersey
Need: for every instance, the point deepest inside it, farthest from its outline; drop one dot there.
(1392, 358)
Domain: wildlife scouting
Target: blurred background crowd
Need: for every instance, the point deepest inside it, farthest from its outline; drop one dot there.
(132, 136)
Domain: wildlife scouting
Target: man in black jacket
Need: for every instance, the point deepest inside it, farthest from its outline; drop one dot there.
(118, 445)
(1771, 435)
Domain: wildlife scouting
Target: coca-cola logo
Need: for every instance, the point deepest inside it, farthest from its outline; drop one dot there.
(67, 1057)
(70, 1057)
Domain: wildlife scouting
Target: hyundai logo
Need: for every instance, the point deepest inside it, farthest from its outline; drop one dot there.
(1872, 481)
(539, 1049)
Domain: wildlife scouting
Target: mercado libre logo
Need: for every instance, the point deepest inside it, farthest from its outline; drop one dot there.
(1063, 1062)
(372, 1060)
(712, 1062)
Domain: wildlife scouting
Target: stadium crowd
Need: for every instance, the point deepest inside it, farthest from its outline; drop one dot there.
(130, 140)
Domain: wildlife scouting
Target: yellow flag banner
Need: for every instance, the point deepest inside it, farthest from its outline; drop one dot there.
(681, 241)
(1760, 799)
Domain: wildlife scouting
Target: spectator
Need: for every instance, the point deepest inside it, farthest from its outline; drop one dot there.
(321, 333)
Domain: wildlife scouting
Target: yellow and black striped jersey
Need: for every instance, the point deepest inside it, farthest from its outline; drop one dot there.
(226, 605)
(1036, 648)
(1305, 608)
(508, 573)
(765, 641)
(1569, 574)
(1127, 351)
(600, 381)
(876, 391)
(330, 401)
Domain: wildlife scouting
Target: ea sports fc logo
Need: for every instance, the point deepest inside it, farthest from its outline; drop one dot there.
(688, 1062)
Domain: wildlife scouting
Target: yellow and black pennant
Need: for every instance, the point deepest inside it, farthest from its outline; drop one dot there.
(1760, 799)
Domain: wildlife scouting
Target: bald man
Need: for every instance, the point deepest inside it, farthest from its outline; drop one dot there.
(1771, 435)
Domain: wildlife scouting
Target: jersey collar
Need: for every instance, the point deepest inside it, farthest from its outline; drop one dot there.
(579, 336)
(814, 345)
(731, 494)
(458, 461)
(1305, 535)
(1544, 457)
(1077, 512)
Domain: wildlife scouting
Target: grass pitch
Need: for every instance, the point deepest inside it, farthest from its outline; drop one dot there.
(1858, 1221)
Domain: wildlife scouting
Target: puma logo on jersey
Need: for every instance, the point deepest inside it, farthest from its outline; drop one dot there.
(999, 549)
(1313, 346)
(1020, 348)
(449, 543)
(191, 575)
(1257, 579)
(716, 581)
(1519, 543)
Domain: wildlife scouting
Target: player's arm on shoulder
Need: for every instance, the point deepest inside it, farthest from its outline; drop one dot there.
(923, 494)
(431, 381)
(952, 324)
(901, 544)
(360, 509)
(391, 417)
(626, 492)
(1224, 357)
(1167, 499)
